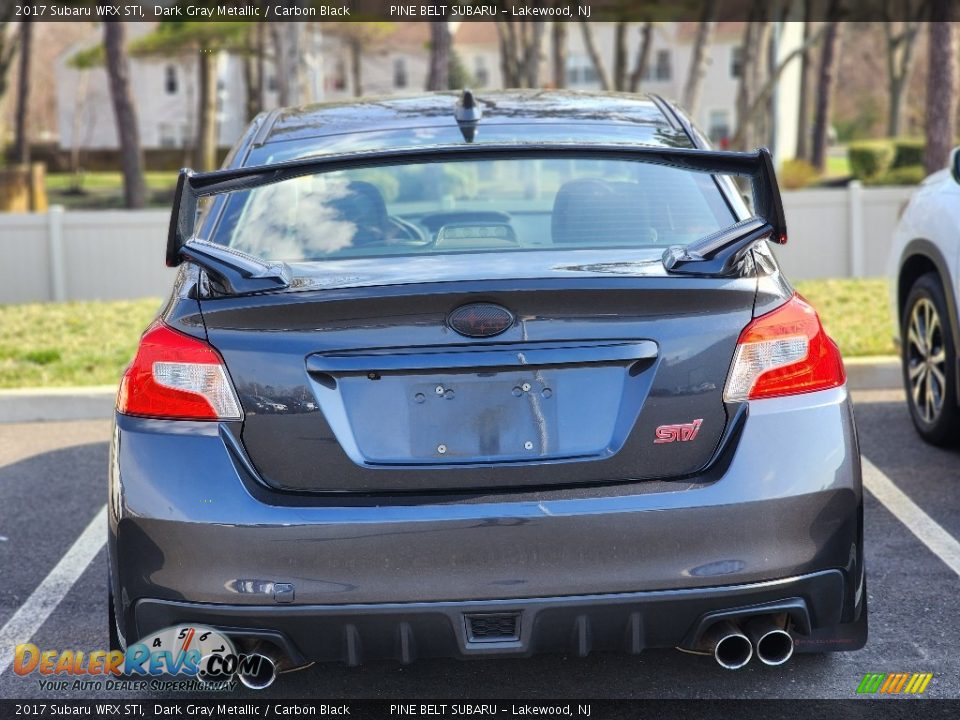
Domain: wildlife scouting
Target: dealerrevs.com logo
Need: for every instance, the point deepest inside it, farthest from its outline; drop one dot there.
(894, 683)
(199, 657)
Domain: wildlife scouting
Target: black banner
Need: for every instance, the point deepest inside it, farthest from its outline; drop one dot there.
(483, 709)
(468, 10)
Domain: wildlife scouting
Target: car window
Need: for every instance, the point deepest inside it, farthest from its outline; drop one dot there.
(473, 206)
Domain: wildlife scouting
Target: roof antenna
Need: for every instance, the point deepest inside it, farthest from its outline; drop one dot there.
(468, 113)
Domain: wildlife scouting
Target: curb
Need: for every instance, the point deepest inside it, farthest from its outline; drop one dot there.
(50, 404)
(874, 373)
(97, 402)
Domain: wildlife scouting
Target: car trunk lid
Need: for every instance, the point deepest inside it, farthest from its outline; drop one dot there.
(369, 389)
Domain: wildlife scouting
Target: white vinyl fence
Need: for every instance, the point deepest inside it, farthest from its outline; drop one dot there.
(83, 255)
(86, 255)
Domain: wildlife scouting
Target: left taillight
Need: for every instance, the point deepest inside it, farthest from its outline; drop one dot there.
(785, 352)
(177, 377)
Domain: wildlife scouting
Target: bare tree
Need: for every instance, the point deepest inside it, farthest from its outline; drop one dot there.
(533, 52)
(207, 121)
(439, 75)
(358, 36)
(288, 51)
(521, 48)
(506, 33)
(941, 106)
(125, 114)
(760, 72)
(620, 55)
(826, 79)
(622, 79)
(806, 73)
(81, 119)
(594, 54)
(900, 38)
(253, 69)
(21, 143)
(642, 61)
(558, 49)
(9, 43)
(355, 46)
(752, 51)
(699, 57)
(762, 96)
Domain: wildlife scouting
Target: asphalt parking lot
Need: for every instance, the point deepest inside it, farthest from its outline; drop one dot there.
(52, 484)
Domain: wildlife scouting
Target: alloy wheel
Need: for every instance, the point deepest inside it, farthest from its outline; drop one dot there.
(926, 360)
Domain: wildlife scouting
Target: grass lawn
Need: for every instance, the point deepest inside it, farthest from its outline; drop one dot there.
(104, 190)
(854, 312)
(75, 343)
(90, 343)
(837, 165)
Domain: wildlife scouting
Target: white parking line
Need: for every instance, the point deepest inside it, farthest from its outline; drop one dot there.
(928, 531)
(34, 612)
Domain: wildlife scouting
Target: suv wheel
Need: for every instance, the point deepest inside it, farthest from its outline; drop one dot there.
(927, 354)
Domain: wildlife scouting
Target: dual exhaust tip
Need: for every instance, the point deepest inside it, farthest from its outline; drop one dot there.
(262, 677)
(733, 646)
(257, 670)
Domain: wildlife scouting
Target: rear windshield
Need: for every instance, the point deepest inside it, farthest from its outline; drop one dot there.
(501, 205)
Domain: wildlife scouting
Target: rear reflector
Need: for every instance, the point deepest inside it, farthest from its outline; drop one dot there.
(785, 352)
(177, 377)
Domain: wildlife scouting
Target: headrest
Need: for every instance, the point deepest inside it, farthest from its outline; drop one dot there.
(591, 211)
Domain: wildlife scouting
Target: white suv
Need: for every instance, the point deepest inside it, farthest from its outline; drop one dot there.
(924, 266)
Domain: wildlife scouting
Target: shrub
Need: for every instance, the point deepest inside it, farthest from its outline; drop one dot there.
(796, 174)
(869, 159)
(907, 152)
(907, 175)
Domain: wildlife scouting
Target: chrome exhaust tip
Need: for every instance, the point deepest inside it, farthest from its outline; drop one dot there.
(730, 647)
(262, 676)
(774, 645)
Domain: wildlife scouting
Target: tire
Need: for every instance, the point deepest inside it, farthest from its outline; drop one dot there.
(928, 358)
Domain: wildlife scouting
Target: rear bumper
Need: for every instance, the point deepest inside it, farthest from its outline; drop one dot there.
(192, 538)
(626, 622)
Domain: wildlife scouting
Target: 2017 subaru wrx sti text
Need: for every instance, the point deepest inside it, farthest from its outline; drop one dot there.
(491, 376)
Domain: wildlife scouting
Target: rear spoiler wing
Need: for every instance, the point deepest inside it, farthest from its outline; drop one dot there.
(756, 165)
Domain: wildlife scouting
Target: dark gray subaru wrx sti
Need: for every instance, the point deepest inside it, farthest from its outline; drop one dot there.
(492, 376)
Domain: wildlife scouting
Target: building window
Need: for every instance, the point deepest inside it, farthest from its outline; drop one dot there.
(169, 134)
(170, 79)
(662, 70)
(480, 73)
(736, 62)
(718, 127)
(399, 72)
(272, 84)
(580, 71)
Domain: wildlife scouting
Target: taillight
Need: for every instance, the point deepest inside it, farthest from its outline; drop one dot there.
(785, 352)
(177, 377)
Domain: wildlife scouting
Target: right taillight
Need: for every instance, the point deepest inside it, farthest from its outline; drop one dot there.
(177, 377)
(785, 352)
